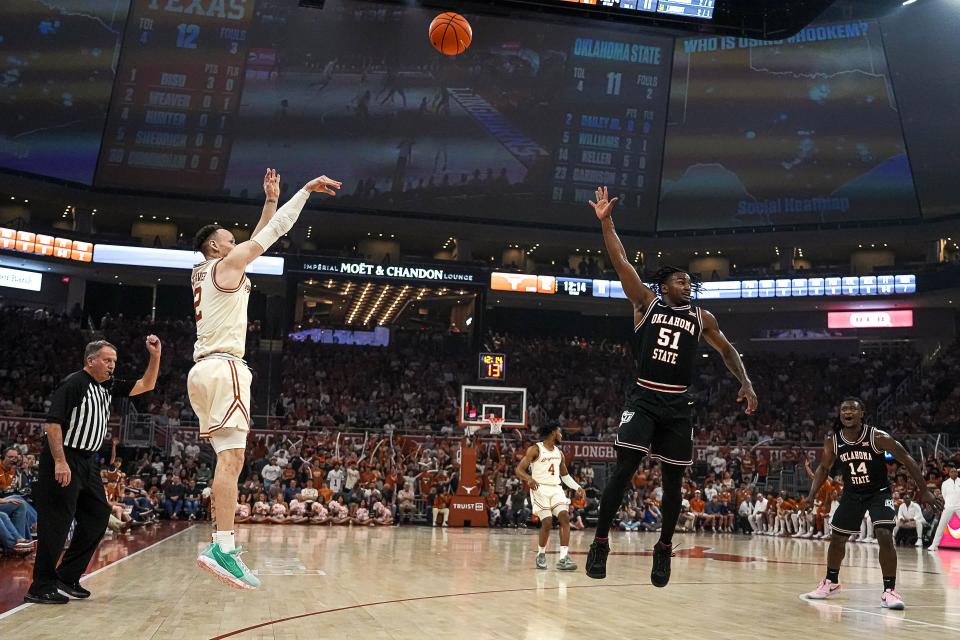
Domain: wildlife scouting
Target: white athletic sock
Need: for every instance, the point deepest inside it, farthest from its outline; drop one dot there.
(225, 540)
(541, 549)
(563, 552)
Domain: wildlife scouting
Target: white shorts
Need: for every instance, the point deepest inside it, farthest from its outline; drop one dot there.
(549, 500)
(223, 439)
(219, 391)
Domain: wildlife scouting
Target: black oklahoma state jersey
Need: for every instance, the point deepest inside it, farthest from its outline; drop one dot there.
(863, 464)
(667, 341)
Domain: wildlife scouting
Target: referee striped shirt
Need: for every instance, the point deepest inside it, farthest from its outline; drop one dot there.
(81, 406)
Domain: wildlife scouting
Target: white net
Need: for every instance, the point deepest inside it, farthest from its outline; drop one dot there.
(496, 425)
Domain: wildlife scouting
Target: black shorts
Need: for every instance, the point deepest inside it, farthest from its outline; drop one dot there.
(658, 423)
(849, 514)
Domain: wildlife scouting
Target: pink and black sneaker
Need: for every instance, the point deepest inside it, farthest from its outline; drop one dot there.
(892, 600)
(824, 591)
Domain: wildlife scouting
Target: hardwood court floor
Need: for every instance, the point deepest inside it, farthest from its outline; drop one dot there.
(435, 584)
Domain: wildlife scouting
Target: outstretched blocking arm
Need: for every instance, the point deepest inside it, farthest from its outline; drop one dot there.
(271, 189)
(826, 463)
(731, 358)
(886, 442)
(521, 470)
(232, 267)
(638, 293)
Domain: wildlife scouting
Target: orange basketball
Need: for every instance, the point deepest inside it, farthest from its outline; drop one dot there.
(450, 33)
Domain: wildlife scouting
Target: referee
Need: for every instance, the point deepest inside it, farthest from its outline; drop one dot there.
(68, 485)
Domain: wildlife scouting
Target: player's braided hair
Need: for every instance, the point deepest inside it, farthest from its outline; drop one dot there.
(204, 234)
(663, 274)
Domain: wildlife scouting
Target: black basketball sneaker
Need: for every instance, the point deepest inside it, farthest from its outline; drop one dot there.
(660, 574)
(597, 560)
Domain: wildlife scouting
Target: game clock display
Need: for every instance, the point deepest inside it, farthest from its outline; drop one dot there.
(493, 366)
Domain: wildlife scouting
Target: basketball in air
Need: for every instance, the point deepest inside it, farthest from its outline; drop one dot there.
(450, 33)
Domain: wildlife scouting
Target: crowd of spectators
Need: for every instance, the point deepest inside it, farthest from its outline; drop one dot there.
(414, 384)
(40, 349)
(314, 468)
(933, 404)
(580, 384)
(328, 478)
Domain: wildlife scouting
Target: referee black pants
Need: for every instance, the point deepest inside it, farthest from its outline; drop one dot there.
(83, 500)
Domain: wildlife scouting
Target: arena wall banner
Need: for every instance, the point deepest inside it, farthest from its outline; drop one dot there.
(603, 452)
(11, 425)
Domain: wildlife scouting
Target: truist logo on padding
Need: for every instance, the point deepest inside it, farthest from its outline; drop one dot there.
(627, 417)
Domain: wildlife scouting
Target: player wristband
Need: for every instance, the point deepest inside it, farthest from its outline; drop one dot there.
(570, 482)
(282, 221)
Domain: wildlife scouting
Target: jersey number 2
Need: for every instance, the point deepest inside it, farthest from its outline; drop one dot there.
(197, 294)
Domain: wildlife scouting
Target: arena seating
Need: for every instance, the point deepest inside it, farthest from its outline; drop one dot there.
(415, 385)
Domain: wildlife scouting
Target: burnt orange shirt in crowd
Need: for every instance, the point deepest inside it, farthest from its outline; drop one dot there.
(579, 501)
(487, 482)
(824, 497)
(326, 494)
(639, 479)
(426, 481)
(7, 477)
(390, 480)
(697, 505)
(492, 500)
(743, 494)
(788, 505)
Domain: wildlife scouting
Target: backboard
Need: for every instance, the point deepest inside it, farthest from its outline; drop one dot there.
(478, 403)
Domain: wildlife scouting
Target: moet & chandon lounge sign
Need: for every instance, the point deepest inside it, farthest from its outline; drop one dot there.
(427, 273)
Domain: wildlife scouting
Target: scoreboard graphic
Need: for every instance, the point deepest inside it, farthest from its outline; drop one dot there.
(612, 131)
(172, 113)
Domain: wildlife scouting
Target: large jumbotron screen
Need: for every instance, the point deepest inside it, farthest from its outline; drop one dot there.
(520, 128)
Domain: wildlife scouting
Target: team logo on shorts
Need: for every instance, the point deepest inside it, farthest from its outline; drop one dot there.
(888, 503)
(626, 417)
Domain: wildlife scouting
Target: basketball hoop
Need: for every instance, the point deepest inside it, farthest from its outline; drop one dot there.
(496, 425)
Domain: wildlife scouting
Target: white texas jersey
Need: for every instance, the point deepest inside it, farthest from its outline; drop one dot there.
(221, 314)
(546, 468)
